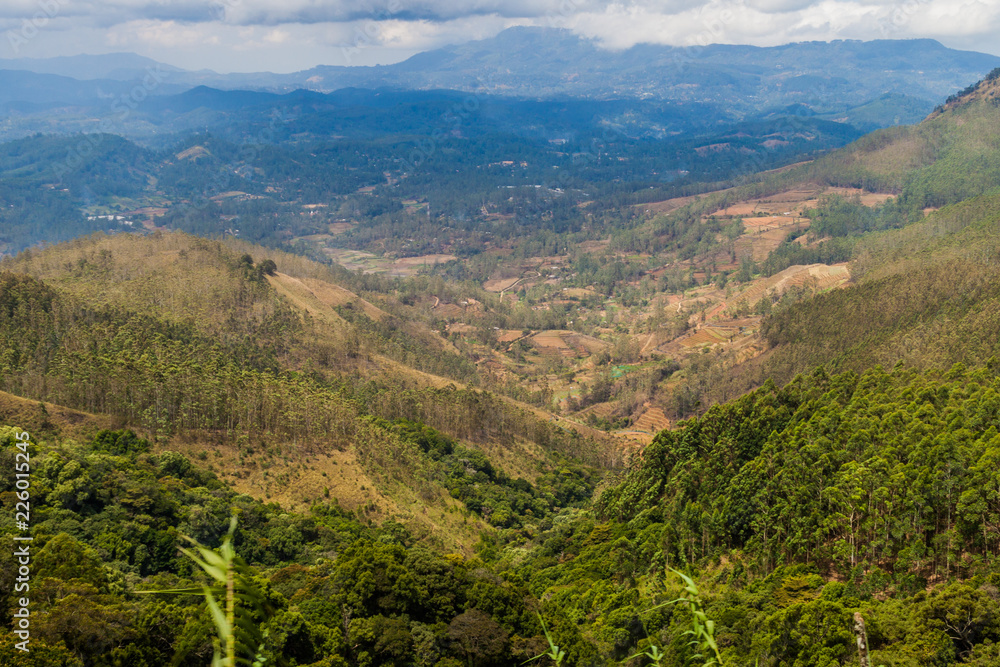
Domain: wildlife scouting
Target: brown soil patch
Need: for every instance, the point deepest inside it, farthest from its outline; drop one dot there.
(319, 298)
(796, 201)
(767, 222)
(408, 266)
(335, 295)
(759, 242)
(500, 284)
(192, 153)
(232, 194)
(567, 342)
(738, 210)
(551, 339)
(705, 336)
(508, 335)
(586, 344)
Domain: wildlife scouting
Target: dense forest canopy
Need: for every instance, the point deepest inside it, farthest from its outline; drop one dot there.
(798, 506)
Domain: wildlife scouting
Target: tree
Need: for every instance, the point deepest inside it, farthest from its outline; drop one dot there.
(480, 639)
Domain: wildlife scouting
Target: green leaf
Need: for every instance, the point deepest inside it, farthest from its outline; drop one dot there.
(214, 572)
(217, 614)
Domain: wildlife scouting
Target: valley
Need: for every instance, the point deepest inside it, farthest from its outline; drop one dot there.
(485, 395)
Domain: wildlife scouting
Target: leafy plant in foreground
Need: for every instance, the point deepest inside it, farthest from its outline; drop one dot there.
(555, 653)
(239, 639)
(702, 628)
(653, 653)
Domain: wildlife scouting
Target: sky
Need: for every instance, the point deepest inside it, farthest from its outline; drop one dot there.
(292, 35)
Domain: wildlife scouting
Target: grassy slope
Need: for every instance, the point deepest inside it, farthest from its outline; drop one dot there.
(48, 418)
(191, 282)
(924, 294)
(955, 147)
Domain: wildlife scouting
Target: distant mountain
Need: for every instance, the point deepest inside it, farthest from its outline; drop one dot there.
(544, 62)
(23, 91)
(550, 62)
(647, 90)
(115, 66)
(29, 90)
(203, 97)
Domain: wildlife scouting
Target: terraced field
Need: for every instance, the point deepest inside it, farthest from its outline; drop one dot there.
(567, 343)
(652, 421)
(798, 200)
(642, 432)
(705, 336)
(821, 276)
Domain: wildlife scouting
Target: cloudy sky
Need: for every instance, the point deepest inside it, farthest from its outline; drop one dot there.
(289, 35)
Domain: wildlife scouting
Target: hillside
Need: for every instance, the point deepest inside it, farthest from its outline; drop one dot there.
(947, 158)
(934, 273)
(799, 506)
(257, 371)
(908, 214)
(107, 515)
(588, 295)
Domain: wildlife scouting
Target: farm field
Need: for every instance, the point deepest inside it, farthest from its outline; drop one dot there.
(703, 321)
(366, 262)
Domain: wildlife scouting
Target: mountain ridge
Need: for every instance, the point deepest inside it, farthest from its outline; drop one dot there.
(528, 53)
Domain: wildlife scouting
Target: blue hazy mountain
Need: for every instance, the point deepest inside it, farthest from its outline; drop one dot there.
(113, 66)
(544, 62)
(865, 84)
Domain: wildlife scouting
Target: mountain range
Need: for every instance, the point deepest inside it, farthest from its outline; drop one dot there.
(869, 84)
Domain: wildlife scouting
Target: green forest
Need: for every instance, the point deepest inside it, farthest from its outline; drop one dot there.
(721, 399)
(793, 507)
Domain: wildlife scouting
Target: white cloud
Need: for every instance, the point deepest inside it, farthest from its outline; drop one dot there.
(773, 22)
(165, 34)
(294, 34)
(957, 18)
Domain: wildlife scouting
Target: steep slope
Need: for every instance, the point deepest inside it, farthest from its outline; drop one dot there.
(796, 509)
(197, 345)
(949, 157)
(50, 419)
(924, 293)
(922, 253)
(108, 512)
